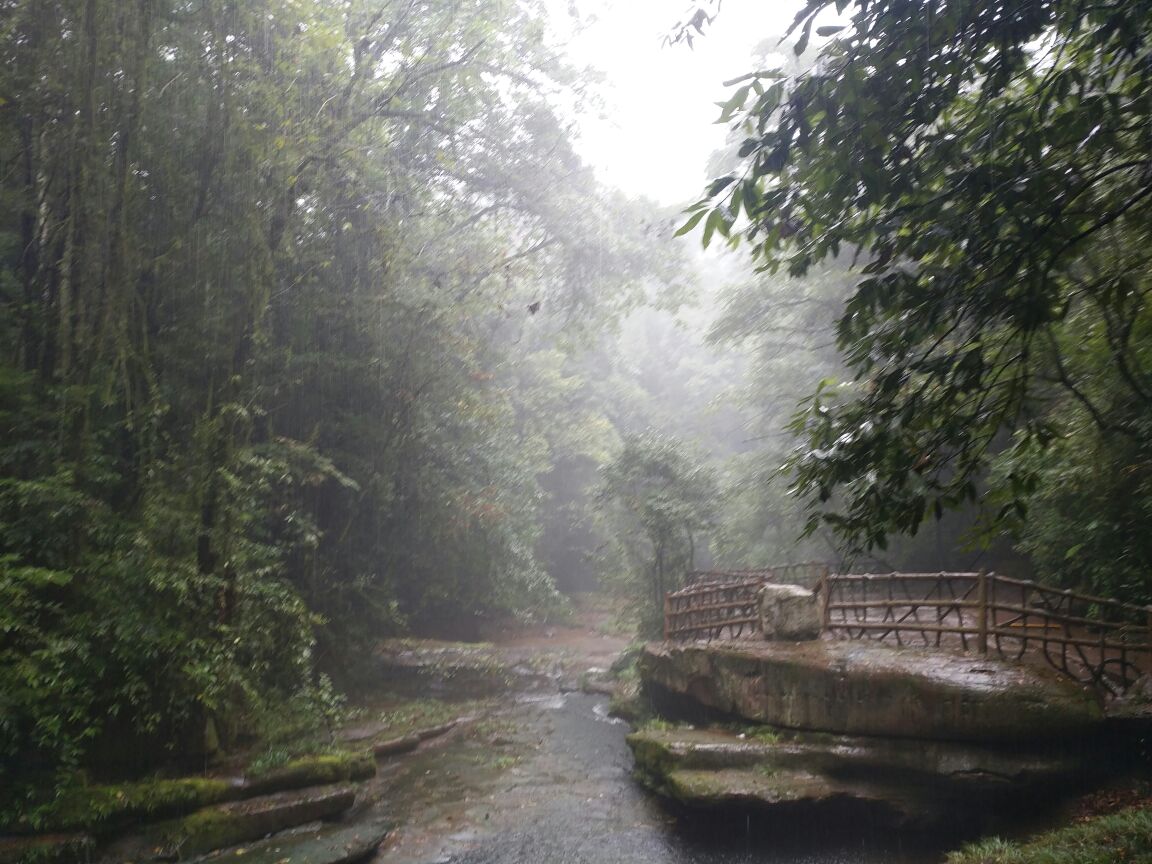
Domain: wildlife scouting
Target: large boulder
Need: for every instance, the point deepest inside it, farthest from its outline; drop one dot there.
(861, 688)
(789, 613)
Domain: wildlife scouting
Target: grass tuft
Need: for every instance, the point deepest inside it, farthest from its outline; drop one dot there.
(1119, 838)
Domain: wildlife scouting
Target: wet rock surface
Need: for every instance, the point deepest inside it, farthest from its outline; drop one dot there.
(868, 689)
(335, 844)
(534, 769)
(230, 824)
(312, 771)
(562, 790)
(543, 773)
(914, 739)
(910, 784)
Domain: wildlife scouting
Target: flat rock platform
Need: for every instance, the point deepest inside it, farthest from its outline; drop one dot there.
(862, 688)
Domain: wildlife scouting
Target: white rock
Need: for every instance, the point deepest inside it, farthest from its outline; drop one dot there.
(789, 613)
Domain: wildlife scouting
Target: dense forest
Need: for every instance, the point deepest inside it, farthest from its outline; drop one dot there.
(303, 304)
(315, 328)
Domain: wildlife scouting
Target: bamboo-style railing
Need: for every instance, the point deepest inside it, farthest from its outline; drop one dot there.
(1095, 640)
(806, 573)
(1098, 641)
(726, 603)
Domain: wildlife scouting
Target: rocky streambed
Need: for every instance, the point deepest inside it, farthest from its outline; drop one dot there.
(436, 729)
(508, 752)
(544, 773)
(193, 817)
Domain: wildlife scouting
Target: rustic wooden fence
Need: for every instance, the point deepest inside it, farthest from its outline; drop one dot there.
(807, 573)
(1097, 641)
(1100, 642)
(719, 604)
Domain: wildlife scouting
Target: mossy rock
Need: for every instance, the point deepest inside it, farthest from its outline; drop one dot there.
(337, 844)
(653, 760)
(664, 750)
(629, 702)
(318, 770)
(959, 769)
(902, 782)
(744, 786)
(104, 808)
(234, 823)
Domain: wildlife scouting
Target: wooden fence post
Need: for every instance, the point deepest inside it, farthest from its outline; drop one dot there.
(825, 598)
(982, 611)
(1148, 634)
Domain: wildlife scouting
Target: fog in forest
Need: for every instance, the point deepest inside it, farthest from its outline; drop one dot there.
(328, 327)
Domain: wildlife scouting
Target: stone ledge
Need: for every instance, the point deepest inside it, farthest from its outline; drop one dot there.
(229, 824)
(338, 844)
(911, 783)
(862, 688)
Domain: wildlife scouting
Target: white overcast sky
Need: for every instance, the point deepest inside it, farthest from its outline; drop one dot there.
(659, 129)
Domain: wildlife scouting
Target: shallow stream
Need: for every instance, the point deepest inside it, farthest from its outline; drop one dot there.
(548, 781)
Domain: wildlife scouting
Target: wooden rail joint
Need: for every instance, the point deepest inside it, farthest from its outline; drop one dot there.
(1096, 640)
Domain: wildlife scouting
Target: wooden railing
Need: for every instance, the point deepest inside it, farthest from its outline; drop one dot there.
(726, 603)
(708, 577)
(711, 610)
(1098, 641)
(806, 573)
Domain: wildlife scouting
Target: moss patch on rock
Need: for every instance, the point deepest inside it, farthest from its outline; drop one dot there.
(628, 701)
(911, 783)
(102, 808)
(317, 770)
(238, 822)
(415, 718)
(652, 761)
(340, 844)
(760, 786)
